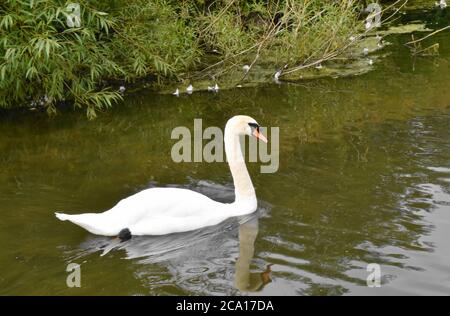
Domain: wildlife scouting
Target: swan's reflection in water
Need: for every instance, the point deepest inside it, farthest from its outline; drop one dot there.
(207, 256)
(245, 280)
(214, 260)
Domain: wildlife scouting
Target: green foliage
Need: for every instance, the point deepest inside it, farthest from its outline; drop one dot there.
(224, 33)
(43, 61)
(313, 28)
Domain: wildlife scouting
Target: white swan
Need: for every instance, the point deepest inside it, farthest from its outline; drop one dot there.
(160, 211)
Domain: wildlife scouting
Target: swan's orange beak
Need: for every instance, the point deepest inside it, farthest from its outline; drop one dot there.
(259, 135)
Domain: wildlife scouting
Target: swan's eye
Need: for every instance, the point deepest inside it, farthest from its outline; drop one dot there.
(254, 125)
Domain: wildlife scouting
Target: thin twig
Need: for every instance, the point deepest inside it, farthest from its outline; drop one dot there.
(270, 33)
(222, 12)
(431, 34)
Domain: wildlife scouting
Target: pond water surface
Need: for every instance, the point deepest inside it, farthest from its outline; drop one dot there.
(364, 177)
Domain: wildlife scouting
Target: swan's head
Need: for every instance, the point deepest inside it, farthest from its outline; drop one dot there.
(245, 125)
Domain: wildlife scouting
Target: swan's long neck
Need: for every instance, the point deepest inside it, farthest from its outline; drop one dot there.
(243, 186)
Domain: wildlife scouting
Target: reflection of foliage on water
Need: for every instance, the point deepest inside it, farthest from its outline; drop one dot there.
(348, 213)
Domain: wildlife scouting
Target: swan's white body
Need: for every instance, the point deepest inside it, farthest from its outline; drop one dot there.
(160, 211)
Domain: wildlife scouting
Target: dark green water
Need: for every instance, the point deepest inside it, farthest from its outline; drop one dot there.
(364, 178)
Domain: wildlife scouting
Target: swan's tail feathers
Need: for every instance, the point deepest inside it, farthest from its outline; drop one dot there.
(62, 216)
(93, 223)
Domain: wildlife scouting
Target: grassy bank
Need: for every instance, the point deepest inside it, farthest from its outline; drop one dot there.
(50, 56)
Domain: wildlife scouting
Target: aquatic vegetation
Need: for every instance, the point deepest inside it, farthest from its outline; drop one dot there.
(45, 61)
(84, 53)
